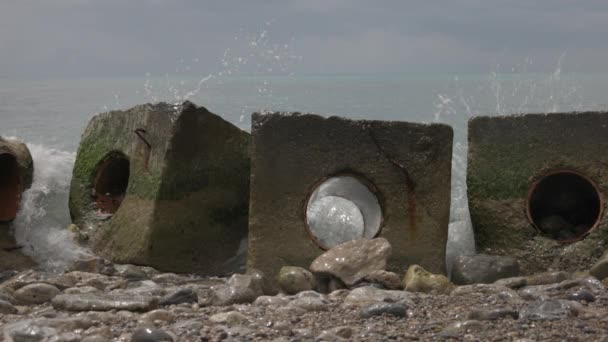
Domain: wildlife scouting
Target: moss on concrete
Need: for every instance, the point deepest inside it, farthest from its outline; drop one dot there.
(186, 202)
(506, 156)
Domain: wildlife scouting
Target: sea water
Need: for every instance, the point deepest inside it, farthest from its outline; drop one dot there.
(51, 114)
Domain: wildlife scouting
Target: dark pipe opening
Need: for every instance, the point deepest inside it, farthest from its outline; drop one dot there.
(10, 187)
(111, 183)
(564, 205)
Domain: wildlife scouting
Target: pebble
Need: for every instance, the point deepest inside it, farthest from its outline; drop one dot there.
(7, 308)
(461, 327)
(310, 304)
(550, 310)
(364, 296)
(36, 293)
(179, 296)
(95, 338)
(270, 301)
(389, 280)
(377, 309)
(546, 278)
(132, 272)
(156, 315)
(581, 296)
(230, 318)
(104, 302)
(493, 314)
(146, 334)
(293, 279)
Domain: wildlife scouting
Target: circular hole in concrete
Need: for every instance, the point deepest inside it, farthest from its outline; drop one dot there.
(10, 187)
(564, 205)
(111, 183)
(341, 209)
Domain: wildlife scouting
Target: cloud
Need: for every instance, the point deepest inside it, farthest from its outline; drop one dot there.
(115, 37)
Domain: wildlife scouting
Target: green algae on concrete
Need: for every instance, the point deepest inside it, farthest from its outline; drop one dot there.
(507, 155)
(407, 166)
(14, 182)
(185, 205)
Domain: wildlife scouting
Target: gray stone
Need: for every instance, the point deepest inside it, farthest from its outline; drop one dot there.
(294, 279)
(131, 272)
(81, 290)
(581, 295)
(7, 308)
(270, 301)
(267, 284)
(146, 334)
(342, 331)
(36, 293)
(493, 314)
(377, 309)
(95, 338)
(513, 282)
(104, 302)
(600, 268)
(310, 303)
(483, 269)
(229, 318)
(179, 296)
(157, 315)
(353, 260)
(462, 327)
(389, 280)
(547, 278)
(240, 288)
(550, 310)
(367, 295)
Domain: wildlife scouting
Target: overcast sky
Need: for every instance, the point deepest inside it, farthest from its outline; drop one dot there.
(81, 38)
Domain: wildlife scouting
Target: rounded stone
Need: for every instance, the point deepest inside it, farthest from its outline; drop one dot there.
(150, 335)
(333, 220)
(36, 293)
(293, 279)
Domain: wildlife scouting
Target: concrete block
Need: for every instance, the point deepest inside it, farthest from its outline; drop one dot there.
(16, 176)
(316, 182)
(536, 186)
(163, 185)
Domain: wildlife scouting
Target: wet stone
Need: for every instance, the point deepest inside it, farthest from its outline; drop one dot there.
(550, 310)
(377, 309)
(581, 296)
(7, 308)
(95, 338)
(492, 315)
(310, 304)
(179, 296)
(293, 279)
(229, 318)
(368, 295)
(389, 280)
(150, 335)
(462, 327)
(36, 293)
(547, 278)
(104, 302)
(131, 272)
(512, 282)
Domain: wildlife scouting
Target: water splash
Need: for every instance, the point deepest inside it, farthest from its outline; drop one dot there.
(513, 92)
(40, 226)
(255, 54)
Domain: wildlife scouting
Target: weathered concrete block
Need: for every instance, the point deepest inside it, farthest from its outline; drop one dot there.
(163, 185)
(16, 175)
(317, 182)
(536, 186)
